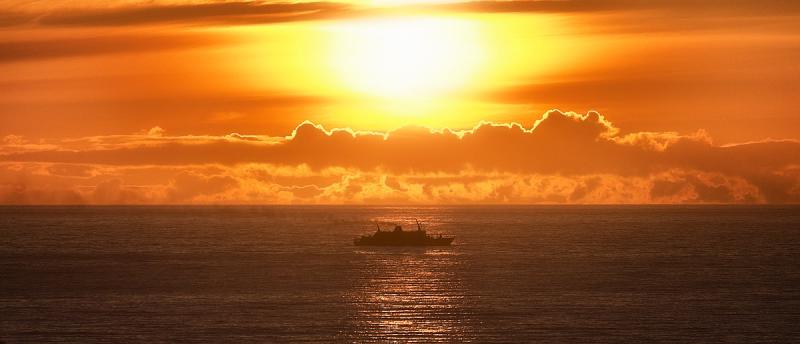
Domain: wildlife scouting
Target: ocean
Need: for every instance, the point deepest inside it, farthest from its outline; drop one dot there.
(517, 274)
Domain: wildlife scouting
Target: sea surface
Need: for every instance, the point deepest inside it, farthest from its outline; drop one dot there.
(528, 274)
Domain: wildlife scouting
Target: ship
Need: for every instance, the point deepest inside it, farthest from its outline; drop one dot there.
(399, 237)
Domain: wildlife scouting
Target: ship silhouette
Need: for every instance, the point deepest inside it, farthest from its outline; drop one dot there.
(399, 237)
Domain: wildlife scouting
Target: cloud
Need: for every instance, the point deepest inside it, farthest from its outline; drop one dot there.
(561, 157)
(10, 19)
(487, 146)
(685, 7)
(208, 13)
(188, 185)
(26, 50)
(239, 185)
(261, 12)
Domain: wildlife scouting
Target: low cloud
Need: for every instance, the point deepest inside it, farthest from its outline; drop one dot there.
(262, 12)
(683, 6)
(195, 13)
(561, 157)
(14, 51)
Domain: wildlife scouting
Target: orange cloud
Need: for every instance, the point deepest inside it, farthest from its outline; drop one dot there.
(560, 158)
(261, 12)
(236, 12)
(14, 51)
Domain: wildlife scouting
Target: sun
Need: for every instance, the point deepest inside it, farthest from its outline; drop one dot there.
(406, 57)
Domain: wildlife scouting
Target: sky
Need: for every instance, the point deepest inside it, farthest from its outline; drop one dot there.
(399, 102)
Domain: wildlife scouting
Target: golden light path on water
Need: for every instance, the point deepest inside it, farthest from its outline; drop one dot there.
(409, 295)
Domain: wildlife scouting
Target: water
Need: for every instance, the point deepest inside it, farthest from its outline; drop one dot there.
(546, 274)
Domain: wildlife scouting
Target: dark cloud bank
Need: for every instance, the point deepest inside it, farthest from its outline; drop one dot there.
(584, 149)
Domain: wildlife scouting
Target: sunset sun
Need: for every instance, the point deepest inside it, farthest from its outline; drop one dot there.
(400, 57)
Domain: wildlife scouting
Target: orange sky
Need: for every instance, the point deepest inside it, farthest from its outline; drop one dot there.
(150, 102)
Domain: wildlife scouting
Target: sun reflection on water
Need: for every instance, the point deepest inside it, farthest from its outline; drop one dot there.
(408, 295)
